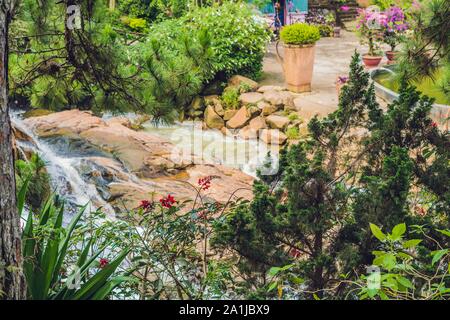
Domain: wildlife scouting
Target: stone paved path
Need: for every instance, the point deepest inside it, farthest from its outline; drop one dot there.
(332, 59)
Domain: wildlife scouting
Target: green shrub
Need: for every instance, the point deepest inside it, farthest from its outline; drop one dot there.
(137, 24)
(34, 174)
(325, 30)
(238, 37)
(300, 34)
(230, 98)
(293, 133)
(47, 247)
(293, 116)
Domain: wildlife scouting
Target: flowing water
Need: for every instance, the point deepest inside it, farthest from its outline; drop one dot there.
(66, 161)
(63, 168)
(214, 147)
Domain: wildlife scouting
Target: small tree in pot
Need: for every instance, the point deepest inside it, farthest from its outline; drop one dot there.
(369, 27)
(299, 50)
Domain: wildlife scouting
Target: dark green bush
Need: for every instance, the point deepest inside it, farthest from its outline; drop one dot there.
(238, 37)
(300, 34)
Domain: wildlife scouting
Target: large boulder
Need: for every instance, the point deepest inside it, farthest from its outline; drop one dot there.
(272, 136)
(212, 119)
(66, 123)
(120, 120)
(239, 120)
(237, 80)
(277, 122)
(250, 98)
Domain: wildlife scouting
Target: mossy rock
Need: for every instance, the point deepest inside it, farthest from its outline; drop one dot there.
(36, 113)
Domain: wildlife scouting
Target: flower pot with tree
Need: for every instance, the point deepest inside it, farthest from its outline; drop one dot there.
(369, 27)
(299, 50)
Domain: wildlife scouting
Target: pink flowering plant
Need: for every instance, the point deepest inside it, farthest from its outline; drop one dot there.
(370, 26)
(394, 26)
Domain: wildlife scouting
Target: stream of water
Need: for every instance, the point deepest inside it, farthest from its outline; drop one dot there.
(66, 165)
(214, 147)
(63, 169)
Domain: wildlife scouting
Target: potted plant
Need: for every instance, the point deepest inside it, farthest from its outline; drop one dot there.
(394, 28)
(299, 50)
(369, 26)
(331, 21)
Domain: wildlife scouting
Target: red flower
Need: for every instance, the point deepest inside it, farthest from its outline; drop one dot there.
(202, 214)
(434, 124)
(146, 205)
(168, 201)
(205, 182)
(294, 253)
(103, 262)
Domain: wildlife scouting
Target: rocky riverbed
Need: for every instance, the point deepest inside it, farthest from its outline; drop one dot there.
(127, 166)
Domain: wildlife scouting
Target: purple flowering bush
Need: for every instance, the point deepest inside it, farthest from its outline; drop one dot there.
(387, 26)
(394, 26)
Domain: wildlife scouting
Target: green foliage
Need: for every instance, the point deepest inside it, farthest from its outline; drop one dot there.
(404, 275)
(34, 174)
(56, 67)
(230, 98)
(136, 24)
(318, 211)
(293, 133)
(300, 34)
(152, 10)
(430, 25)
(174, 72)
(46, 243)
(293, 116)
(325, 30)
(238, 37)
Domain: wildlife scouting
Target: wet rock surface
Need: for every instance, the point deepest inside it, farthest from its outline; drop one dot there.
(127, 166)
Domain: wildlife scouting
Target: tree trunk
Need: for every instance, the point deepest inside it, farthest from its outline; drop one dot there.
(12, 280)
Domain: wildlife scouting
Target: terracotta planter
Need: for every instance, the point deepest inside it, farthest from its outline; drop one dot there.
(371, 61)
(298, 67)
(337, 32)
(391, 55)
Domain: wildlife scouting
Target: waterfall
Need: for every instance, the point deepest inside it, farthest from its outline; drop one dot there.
(66, 180)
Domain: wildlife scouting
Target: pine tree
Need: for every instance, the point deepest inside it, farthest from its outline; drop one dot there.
(298, 211)
(360, 165)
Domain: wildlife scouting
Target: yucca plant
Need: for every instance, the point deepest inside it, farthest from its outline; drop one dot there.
(45, 243)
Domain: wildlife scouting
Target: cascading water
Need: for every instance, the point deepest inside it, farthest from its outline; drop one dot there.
(66, 180)
(214, 147)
